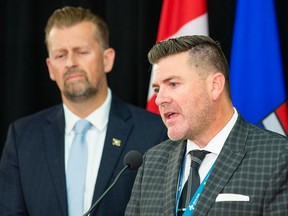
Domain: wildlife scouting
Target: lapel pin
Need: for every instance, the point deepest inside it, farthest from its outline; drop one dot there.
(116, 142)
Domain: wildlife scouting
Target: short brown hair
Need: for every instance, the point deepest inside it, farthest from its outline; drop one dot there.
(203, 51)
(69, 16)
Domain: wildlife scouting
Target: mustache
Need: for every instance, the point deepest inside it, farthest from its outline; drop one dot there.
(72, 71)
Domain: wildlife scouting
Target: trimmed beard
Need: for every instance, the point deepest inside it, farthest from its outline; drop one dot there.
(80, 90)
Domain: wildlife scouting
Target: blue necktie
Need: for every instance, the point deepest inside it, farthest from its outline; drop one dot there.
(76, 169)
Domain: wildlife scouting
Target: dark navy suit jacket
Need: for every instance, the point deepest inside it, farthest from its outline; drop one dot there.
(32, 168)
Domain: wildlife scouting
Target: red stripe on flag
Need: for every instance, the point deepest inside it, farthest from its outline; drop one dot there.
(282, 114)
(176, 13)
(151, 105)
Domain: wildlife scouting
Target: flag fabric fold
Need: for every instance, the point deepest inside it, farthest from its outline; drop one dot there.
(257, 77)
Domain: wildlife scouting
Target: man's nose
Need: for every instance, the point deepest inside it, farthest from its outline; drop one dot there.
(71, 61)
(162, 97)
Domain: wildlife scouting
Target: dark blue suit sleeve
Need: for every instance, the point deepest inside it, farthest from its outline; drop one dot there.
(11, 196)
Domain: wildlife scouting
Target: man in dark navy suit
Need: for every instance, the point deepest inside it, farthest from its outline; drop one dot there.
(33, 168)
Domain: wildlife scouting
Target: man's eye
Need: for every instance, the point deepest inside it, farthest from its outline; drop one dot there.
(59, 56)
(156, 90)
(83, 52)
(173, 84)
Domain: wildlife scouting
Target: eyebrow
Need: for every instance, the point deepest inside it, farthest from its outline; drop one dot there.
(76, 48)
(166, 80)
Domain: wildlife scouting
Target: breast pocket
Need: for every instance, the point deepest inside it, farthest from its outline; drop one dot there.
(233, 208)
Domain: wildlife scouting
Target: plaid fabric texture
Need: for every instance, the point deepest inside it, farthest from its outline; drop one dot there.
(253, 162)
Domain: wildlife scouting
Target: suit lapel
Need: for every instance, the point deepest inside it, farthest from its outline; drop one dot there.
(117, 132)
(171, 178)
(227, 162)
(53, 136)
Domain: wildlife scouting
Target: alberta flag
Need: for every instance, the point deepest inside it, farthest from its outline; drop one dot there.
(179, 18)
(257, 77)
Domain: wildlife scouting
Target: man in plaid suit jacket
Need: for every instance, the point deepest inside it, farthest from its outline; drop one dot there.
(250, 171)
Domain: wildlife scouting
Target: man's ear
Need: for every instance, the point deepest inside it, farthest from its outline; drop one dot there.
(108, 59)
(218, 84)
(51, 74)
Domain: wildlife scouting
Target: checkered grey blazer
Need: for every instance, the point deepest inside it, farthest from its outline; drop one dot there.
(252, 163)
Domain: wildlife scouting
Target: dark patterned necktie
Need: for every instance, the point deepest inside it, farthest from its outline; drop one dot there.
(193, 181)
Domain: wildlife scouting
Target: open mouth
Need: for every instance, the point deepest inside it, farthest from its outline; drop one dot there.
(170, 115)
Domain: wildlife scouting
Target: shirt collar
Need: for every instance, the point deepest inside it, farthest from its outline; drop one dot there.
(216, 144)
(98, 118)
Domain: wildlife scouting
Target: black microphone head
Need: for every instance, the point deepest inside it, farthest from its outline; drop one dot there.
(133, 159)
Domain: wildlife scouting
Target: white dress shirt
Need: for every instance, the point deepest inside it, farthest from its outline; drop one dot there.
(95, 139)
(214, 146)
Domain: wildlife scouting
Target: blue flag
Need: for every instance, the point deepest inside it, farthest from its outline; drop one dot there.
(257, 78)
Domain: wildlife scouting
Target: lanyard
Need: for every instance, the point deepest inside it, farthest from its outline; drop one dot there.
(180, 182)
(193, 202)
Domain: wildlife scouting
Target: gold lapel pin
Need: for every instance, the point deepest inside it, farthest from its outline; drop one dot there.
(116, 142)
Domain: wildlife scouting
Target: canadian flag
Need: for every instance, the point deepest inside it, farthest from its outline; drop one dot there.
(179, 18)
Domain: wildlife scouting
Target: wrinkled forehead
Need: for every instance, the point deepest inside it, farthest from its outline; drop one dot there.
(175, 66)
(80, 33)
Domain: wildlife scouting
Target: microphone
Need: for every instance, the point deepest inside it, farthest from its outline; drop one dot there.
(132, 160)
